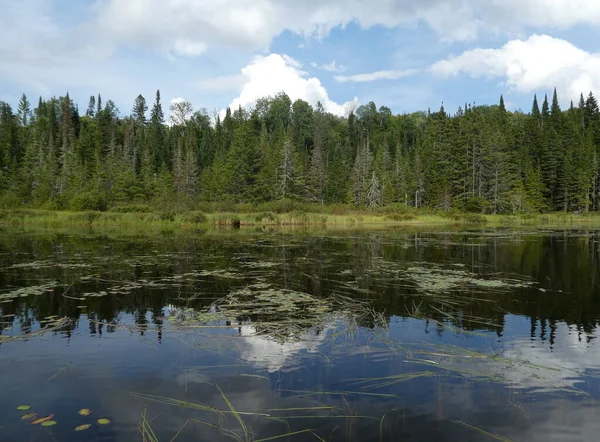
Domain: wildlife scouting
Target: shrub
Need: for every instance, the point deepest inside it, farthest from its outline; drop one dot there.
(195, 217)
(476, 205)
(50, 205)
(475, 218)
(266, 217)
(282, 206)
(167, 216)
(401, 217)
(133, 208)
(299, 217)
(88, 201)
(228, 220)
(9, 200)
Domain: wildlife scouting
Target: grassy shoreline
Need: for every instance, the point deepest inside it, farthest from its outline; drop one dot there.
(198, 220)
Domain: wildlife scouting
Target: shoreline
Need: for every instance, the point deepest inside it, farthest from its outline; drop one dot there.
(233, 220)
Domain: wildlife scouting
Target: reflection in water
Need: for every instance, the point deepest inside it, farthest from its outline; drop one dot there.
(454, 335)
(273, 355)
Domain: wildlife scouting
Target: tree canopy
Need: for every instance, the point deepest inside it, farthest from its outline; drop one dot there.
(481, 158)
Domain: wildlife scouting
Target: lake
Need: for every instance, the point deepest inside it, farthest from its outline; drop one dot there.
(309, 335)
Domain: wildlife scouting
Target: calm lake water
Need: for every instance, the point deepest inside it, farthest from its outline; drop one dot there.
(313, 335)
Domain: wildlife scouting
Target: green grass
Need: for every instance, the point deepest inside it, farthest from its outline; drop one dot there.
(197, 220)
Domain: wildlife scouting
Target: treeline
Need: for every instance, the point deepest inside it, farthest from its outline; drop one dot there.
(482, 158)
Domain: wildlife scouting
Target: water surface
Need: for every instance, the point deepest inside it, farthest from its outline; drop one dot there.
(337, 336)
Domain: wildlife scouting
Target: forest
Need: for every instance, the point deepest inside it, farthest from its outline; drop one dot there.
(481, 159)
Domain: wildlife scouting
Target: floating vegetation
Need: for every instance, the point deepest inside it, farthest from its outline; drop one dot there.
(37, 265)
(261, 264)
(85, 412)
(387, 381)
(50, 326)
(279, 313)
(48, 423)
(431, 278)
(228, 274)
(28, 416)
(103, 421)
(147, 432)
(42, 420)
(83, 427)
(483, 432)
(34, 290)
(23, 407)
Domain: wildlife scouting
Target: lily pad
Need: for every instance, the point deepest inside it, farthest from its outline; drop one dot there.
(24, 407)
(42, 420)
(83, 427)
(103, 421)
(48, 424)
(85, 412)
(28, 416)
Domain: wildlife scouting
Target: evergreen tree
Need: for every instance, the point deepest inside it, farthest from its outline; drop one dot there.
(158, 149)
(139, 110)
(91, 110)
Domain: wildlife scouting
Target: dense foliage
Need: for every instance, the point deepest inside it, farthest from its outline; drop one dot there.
(481, 159)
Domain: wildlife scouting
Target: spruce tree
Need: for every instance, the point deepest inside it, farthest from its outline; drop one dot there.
(158, 149)
(139, 110)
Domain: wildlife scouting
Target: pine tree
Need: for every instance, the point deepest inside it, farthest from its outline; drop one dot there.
(98, 105)
(139, 110)
(287, 172)
(361, 174)
(158, 150)
(374, 193)
(535, 109)
(24, 112)
(317, 174)
(501, 105)
(91, 110)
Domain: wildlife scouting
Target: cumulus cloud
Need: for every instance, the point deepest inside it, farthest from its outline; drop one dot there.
(552, 369)
(330, 67)
(373, 76)
(222, 83)
(268, 75)
(273, 355)
(540, 62)
(188, 27)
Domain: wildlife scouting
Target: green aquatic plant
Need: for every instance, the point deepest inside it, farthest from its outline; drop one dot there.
(83, 427)
(34, 290)
(24, 407)
(147, 432)
(277, 313)
(42, 420)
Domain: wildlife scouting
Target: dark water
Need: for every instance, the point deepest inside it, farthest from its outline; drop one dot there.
(384, 335)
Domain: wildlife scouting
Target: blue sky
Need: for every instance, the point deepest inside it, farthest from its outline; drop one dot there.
(408, 55)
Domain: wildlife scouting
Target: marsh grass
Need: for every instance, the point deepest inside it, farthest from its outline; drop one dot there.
(483, 432)
(141, 218)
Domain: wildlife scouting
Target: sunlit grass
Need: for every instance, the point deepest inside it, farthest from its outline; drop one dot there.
(350, 218)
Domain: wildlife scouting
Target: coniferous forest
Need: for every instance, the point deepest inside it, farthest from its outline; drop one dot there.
(484, 159)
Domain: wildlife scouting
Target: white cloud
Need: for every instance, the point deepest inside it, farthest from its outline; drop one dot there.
(266, 76)
(373, 76)
(187, 48)
(540, 62)
(272, 355)
(222, 83)
(548, 369)
(330, 67)
(188, 27)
